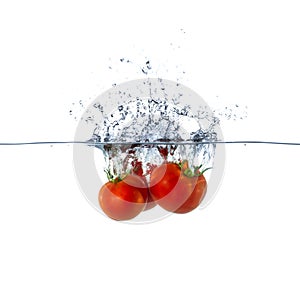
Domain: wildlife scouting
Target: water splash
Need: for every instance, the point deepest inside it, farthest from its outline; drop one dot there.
(142, 120)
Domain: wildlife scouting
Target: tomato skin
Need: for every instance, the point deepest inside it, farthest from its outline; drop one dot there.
(174, 191)
(138, 170)
(163, 179)
(195, 198)
(150, 203)
(139, 183)
(125, 199)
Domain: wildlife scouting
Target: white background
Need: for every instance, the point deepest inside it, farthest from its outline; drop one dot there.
(54, 245)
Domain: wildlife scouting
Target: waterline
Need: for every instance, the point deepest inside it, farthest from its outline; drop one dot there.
(93, 143)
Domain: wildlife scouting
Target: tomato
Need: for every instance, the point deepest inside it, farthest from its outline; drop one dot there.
(138, 170)
(123, 199)
(177, 188)
(195, 197)
(150, 203)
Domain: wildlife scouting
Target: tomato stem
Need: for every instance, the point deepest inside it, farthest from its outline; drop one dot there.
(195, 172)
(202, 172)
(112, 178)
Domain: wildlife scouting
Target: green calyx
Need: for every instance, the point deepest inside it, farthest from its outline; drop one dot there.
(188, 172)
(191, 172)
(114, 179)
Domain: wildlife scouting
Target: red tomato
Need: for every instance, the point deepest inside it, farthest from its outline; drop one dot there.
(150, 202)
(195, 197)
(123, 199)
(138, 170)
(175, 191)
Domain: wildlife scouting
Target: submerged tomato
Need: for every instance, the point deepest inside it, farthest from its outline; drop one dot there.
(176, 188)
(138, 170)
(150, 203)
(196, 196)
(123, 199)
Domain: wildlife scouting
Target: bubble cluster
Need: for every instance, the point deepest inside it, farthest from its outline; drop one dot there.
(136, 122)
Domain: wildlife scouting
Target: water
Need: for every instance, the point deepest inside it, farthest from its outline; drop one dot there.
(92, 143)
(102, 144)
(92, 158)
